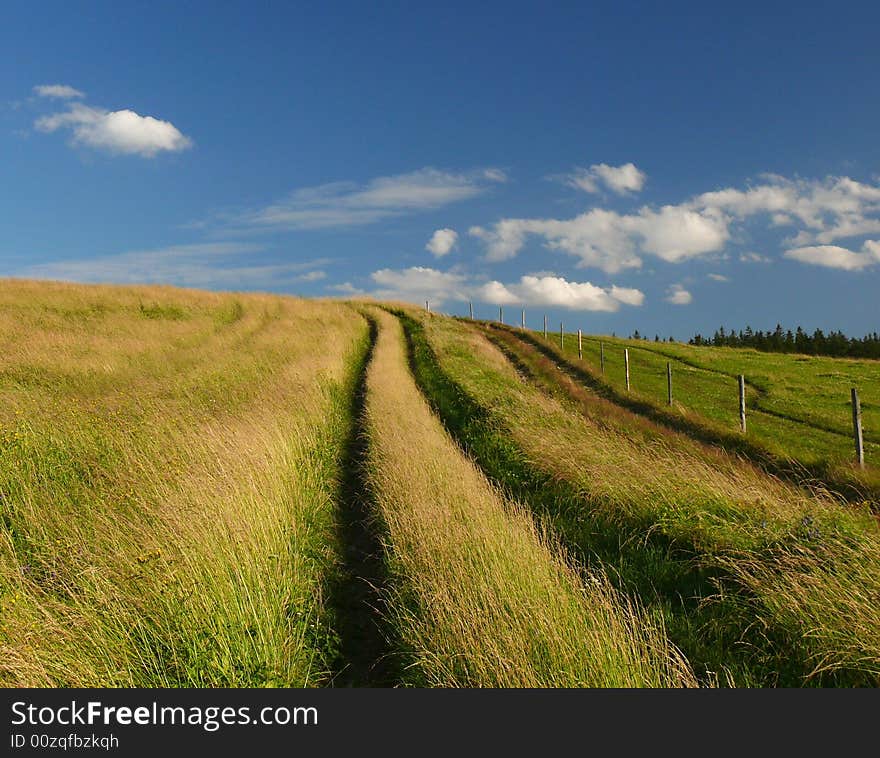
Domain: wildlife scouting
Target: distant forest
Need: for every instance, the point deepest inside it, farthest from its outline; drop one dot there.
(835, 344)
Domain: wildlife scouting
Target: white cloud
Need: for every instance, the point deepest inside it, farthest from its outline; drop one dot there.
(820, 211)
(832, 256)
(829, 209)
(610, 241)
(505, 240)
(556, 291)
(212, 265)
(497, 293)
(347, 288)
(352, 204)
(619, 179)
(419, 283)
(627, 295)
(495, 175)
(678, 295)
(311, 276)
(718, 278)
(442, 242)
(119, 132)
(752, 257)
(675, 233)
(59, 91)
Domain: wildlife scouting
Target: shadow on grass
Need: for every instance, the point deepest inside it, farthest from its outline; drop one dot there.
(357, 594)
(707, 615)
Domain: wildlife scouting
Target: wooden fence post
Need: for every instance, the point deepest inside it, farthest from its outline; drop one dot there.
(471, 308)
(742, 403)
(501, 314)
(668, 383)
(626, 364)
(857, 428)
(580, 346)
(602, 356)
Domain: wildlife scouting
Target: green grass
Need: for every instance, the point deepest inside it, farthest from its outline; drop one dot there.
(798, 407)
(700, 537)
(194, 486)
(479, 597)
(168, 486)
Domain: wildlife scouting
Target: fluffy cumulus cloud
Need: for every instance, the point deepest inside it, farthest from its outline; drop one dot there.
(418, 283)
(121, 132)
(611, 241)
(833, 256)
(341, 204)
(718, 278)
(817, 213)
(442, 242)
(619, 179)
(57, 91)
(678, 295)
(556, 291)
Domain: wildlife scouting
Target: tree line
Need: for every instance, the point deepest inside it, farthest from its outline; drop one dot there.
(780, 340)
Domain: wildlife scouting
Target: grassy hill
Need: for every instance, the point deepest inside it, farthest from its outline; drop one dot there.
(798, 407)
(215, 489)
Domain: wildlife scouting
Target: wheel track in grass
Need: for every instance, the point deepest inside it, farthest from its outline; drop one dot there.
(714, 628)
(357, 594)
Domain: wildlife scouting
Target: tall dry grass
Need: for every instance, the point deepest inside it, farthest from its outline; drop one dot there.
(808, 560)
(480, 597)
(168, 473)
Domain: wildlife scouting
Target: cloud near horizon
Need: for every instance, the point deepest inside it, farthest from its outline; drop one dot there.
(832, 256)
(208, 265)
(420, 283)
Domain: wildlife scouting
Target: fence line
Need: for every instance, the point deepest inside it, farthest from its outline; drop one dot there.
(858, 433)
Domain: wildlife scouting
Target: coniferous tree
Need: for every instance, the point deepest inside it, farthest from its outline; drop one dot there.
(834, 343)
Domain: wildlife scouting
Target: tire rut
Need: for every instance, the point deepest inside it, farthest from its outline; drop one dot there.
(366, 651)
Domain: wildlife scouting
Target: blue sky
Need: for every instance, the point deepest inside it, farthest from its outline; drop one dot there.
(666, 167)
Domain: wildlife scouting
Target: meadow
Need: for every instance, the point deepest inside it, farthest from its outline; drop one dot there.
(168, 467)
(798, 406)
(243, 490)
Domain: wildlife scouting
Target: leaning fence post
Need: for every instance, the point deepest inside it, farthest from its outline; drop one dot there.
(561, 336)
(668, 383)
(742, 403)
(602, 356)
(857, 428)
(471, 308)
(545, 326)
(580, 346)
(626, 364)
